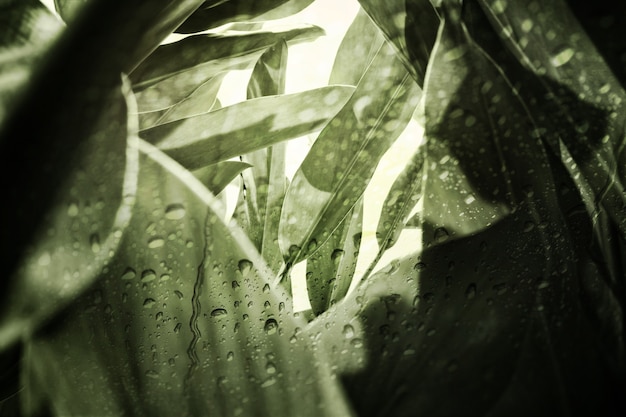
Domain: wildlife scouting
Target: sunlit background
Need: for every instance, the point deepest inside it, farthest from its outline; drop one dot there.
(309, 66)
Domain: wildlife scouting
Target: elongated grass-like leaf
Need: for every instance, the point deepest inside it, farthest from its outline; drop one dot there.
(217, 176)
(180, 338)
(331, 269)
(212, 50)
(213, 14)
(402, 198)
(265, 184)
(332, 177)
(244, 127)
(358, 48)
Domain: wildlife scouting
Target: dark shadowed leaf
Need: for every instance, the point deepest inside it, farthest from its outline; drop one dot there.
(331, 268)
(212, 51)
(248, 126)
(332, 178)
(69, 9)
(217, 176)
(216, 13)
(411, 26)
(171, 338)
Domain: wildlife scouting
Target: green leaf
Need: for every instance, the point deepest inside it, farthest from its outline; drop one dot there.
(217, 176)
(411, 26)
(211, 53)
(216, 13)
(191, 335)
(402, 198)
(201, 100)
(358, 48)
(335, 172)
(69, 9)
(244, 127)
(265, 184)
(330, 269)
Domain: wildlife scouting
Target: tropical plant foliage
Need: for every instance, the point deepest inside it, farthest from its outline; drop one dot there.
(128, 291)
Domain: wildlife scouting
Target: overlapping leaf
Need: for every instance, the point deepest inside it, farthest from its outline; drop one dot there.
(207, 336)
(336, 170)
(214, 13)
(245, 127)
(210, 53)
(217, 176)
(411, 26)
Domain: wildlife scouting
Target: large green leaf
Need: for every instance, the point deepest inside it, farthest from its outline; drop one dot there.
(411, 26)
(213, 52)
(335, 172)
(216, 13)
(201, 333)
(247, 126)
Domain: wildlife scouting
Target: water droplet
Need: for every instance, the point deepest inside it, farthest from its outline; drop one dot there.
(217, 312)
(431, 332)
(441, 235)
(311, 246)
(527, 25)
(159, 316)
(44, 259)
(357, 343)
(543, 284)
(348, 331)
(268, 382)
(270, 368)
(129, 273)
(178, 327)
(94, 241)
(72, 210)
(178, 294)
(562, 57)
(235, 284)
(148, 303)
(152, 374)
(245, 266)
(420, 266)
(528, 226)
(266, 288)
(500, 288)
(165, 277)
(271, 326)
(470, 292)
(281, 306)
(148, 275)
(156, 242)
(175, 212)
(337, 255)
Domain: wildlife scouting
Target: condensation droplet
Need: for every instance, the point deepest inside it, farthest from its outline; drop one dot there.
(175, 212)
(441, 235)
(156, 242)
(129, 273)
(152, 374)
(72, 210)
(230, 356)
(266, 288)
(217, 312)
(94, 241)
(178, 327)
(348, 331)
(271, 326)
(562, 57)
(244, 266)
(148, 275)
(178, 294)
(470, 292)
(149, 303)
(270, 368)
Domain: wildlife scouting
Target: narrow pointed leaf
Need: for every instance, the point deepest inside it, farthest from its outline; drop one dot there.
(358, 48)
(216, 13)
(150, 325)
(254, 124)
(331, 269)
(342, 160)
(202, 100)
(217, 176)
(402, 198)
(213, 50)
(269, 74)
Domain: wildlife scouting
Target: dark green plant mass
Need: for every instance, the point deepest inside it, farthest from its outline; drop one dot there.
(125, 292)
